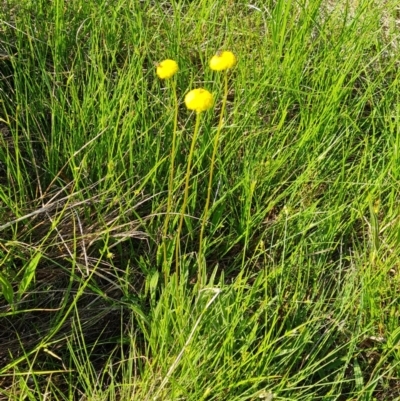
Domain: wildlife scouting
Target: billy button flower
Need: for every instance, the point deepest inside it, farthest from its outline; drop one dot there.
(223, 60)
(167, 69)
(199, 100)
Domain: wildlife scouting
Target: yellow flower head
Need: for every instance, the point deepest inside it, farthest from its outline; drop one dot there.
(223, 60)
(199, 100)
(166, 69)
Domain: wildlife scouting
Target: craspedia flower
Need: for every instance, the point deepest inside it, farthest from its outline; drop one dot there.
(167, 69)
(223, 60)
(199, 100)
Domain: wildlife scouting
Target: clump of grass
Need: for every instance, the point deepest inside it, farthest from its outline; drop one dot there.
(287, 197)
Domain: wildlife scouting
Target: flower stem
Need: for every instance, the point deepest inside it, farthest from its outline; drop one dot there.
(171, 181)
(215, 147)
(186, 194)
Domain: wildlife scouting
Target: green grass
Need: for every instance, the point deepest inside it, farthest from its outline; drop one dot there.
(294, 293)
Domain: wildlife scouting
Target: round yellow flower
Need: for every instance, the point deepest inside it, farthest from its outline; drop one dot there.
(167, 69)
(199, 100)
(223, 60)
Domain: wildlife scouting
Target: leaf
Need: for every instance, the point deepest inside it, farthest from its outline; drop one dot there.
(216, 215)
(170, 244)
(153, 282)
(394, 339)
(358, 378)
(29, 273)
(7, 289)
(160, 254)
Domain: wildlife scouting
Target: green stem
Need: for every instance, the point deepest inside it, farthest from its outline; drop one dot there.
(185, 197)
(215, 148)
(171, 181)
